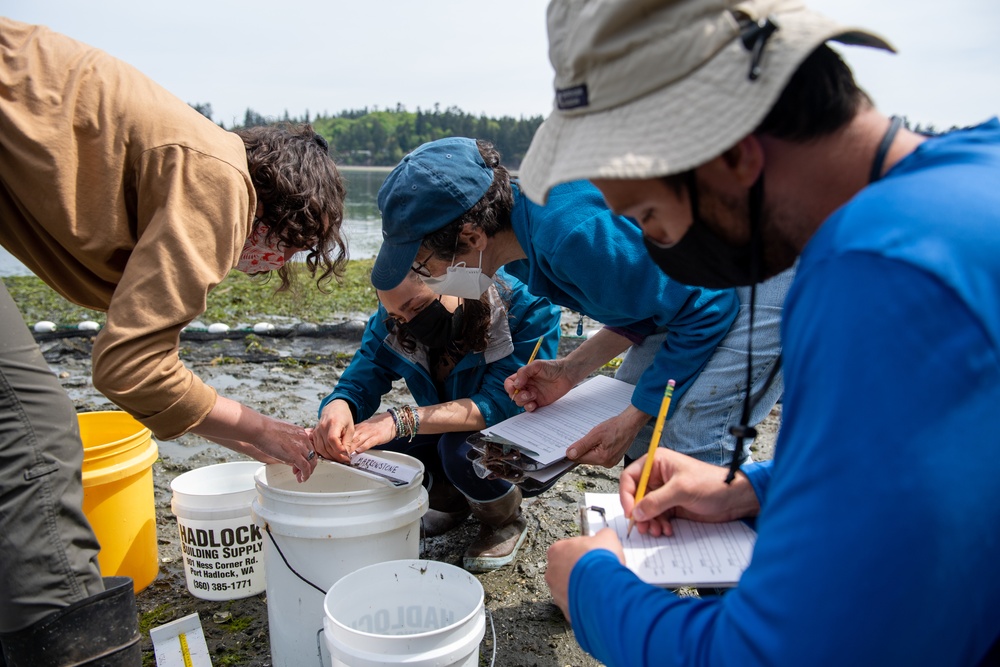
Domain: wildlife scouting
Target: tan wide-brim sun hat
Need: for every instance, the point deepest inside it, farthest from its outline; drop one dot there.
(648, 88)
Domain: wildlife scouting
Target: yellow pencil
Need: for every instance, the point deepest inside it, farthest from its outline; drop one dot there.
(654, 442)
(534, 353)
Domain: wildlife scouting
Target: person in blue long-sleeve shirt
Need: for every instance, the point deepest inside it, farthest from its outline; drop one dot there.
(877, 519)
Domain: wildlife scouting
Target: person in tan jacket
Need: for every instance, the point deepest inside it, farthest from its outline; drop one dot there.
(124, 199)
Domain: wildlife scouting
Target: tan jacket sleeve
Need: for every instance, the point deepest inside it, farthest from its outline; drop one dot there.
(193, 215)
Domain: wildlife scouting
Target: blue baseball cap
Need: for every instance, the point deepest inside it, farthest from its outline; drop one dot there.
(431, 187)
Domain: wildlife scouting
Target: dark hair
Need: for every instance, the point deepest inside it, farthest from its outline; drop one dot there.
(491, 213)
(302, 193)
(819, 99)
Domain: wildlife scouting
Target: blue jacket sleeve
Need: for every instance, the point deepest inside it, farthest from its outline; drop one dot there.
(599, 264)
(882, 506)
(529, 317)
(696, 319)
(365, 380)
(602, 591)
(692, 336)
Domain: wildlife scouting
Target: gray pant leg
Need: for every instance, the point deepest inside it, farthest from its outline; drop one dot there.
(48, 551)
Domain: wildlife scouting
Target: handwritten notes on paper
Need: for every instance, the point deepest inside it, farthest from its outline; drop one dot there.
(545, 433)
(698, 554)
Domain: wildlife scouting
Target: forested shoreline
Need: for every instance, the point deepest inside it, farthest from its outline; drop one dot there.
(373, 137)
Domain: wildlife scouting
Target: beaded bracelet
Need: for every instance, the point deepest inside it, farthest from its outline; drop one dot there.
(407, 421)
(395, 421)
(405, 425)
(416, 420)
(410, 418)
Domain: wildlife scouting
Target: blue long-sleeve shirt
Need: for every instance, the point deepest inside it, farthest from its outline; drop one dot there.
(582, 256)
(879, 530)
(478, 376)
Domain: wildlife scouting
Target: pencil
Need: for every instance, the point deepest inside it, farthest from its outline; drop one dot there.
(654, 442)
(534, 353)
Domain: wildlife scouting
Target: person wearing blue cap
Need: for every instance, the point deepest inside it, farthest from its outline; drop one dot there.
(451, 213)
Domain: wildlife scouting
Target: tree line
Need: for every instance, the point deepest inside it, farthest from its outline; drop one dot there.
(381, 137)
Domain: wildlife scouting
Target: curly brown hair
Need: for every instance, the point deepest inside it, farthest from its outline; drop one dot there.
(491, 212)
(302, 193)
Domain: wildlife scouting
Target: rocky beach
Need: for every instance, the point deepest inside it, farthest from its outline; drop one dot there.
(285, 375)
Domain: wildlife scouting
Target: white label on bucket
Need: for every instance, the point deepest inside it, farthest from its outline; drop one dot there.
(223, 559)
(397, 472)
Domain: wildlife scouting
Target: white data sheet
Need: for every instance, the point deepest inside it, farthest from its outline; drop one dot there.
(545, 433)
(698, 554)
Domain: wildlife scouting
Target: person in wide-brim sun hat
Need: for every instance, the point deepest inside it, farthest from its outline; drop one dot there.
(740, 143)
(643, 98)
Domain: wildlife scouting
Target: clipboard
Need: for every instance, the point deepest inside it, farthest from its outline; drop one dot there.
(501, 460)
(544, 434)
(529, 449)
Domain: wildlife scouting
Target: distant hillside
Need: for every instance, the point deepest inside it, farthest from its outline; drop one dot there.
(380, 138)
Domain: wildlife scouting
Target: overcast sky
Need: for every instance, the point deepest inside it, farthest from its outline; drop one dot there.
(483, 57)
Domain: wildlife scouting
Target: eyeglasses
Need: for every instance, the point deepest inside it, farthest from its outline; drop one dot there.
(420, 268)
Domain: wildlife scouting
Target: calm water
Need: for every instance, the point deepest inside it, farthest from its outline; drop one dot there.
(361, 220)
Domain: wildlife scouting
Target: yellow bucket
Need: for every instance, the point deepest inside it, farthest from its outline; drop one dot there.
(118, 455)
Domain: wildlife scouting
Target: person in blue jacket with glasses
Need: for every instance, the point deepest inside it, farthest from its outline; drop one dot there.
(454, 354)
(452, 213)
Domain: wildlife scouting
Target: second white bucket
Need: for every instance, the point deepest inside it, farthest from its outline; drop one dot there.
(337, 522)
(222, 547)
(417, 613)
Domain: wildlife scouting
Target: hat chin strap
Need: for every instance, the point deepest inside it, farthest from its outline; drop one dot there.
(744, 431)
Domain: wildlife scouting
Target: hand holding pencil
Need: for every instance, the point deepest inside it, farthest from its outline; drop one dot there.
(654, 442)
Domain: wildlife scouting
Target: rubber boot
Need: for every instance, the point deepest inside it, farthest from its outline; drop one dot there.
(501, 532)
(448, 509)
(99, 631)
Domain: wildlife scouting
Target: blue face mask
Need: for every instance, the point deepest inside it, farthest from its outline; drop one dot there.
(461, 281)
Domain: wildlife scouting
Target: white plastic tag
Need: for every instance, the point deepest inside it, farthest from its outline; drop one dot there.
(397, 473)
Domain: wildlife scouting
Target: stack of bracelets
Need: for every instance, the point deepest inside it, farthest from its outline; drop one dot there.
(407, 421)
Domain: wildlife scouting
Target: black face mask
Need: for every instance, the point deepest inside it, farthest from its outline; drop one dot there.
(702, 259)
(434, 326)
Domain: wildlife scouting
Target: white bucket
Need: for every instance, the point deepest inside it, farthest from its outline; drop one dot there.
(338, 521)
(222, 547)
(415, 612)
